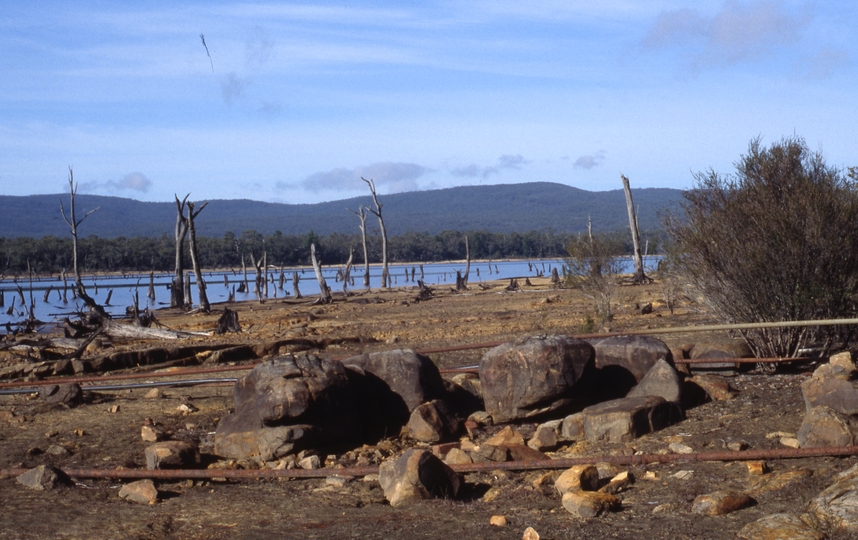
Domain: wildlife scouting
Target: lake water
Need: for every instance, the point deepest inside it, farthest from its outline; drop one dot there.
(122, 288)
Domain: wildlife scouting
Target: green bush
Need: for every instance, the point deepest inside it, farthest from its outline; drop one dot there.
(775, 241)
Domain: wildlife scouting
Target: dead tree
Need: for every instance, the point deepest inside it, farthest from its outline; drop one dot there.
(258, 286)
(361, 214)
(639, 276)
(177, 293)
(73, 224)
(468, 264)
(324, 292)
(295, 279)
(348, 271)
(192, 244)
(385, 275)
(151, 293)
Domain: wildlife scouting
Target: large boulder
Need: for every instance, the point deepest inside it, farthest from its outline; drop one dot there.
(623, 361)
(534, 375)
(286, 402)
(830, 392)
(412, 378)
(824, 426)
(837, 506)
(661, 380)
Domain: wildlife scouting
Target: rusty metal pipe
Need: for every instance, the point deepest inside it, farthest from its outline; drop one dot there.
(565, 463)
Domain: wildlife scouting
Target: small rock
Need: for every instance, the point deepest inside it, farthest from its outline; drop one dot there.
(505, 437)
(545, 482)
(715, 386)
(757, 468)
(42, 478)
(488, 452)
(416, 475)
(618, 483)
(172, 454)
(779, 526)
(545, 437)
(737, 446)
(779, 434)
(683, 475)
(720, 503)
(187, 408)
(520, 452)
(431, 422)
(650, 475)
(824, 426)
(310, 462)
(338, 480)
(664, 508)
(779, 480)
(481, 417)
(151, 433)
(679, 448)
(572, 428)
(57, 450)
(113, 409)
(790, 442)
(530, 534)
(69, 393)
(589, 504)
(141, 492)
(843, 360)
(457, 456)
(578, 478)
(155, 393)
(661, 380)
(498, 521)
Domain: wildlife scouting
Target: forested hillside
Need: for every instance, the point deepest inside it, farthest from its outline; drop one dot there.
(537, 206)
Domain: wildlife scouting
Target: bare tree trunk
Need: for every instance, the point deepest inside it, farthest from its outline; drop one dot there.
(362, 215)
(73, 223)
(347, 273)
(188, 299)
(385, 274)
(468, 264)
(244, 287)
(258, 283)
(65, 290)
(265, 271)
(192, 244)
(177, 296)
(324, 292)
(151, 293)
(295, 279)
(639, 276)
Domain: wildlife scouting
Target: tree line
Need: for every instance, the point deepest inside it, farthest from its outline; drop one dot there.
(50, 254)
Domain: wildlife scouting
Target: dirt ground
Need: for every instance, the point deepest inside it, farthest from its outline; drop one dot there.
(97, 435)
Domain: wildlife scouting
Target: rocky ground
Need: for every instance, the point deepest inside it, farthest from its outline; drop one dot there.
(105, 432)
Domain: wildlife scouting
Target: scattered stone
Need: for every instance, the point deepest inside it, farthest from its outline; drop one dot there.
(481, 417)
(779, 434)
(623, 420)
(737, 446)
(778, 480)
(57, 450)
(679, 448)
(835, 393)
(42, 478)
(777, 526)
(69, 393)
(141, 492)
(151, 433)
(837, 506)
(457, 456)
(498, 521)
(533, 376)
(666, 508)
(489, 452)
(416, 475)
(720, 503)
(607, 470)
(310, 463)
(338, 480)
(830, 371)
(432, 422)
(661, 380)
(155, 393)
(683, 475)
(790, 442)
(530, 534)
(650, 475)
(578, 478)
(544, 483)
(572, 428)
(520, 452)
(505, 437)
(825, 426)
(172, 454)
(187, 408)
(757, 468)
(546, 436)
(589, 504)
(618, 483)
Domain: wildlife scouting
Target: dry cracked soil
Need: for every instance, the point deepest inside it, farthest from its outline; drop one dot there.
(104, 432)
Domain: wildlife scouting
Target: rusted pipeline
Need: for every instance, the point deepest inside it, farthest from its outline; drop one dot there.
(565, 463)
(744, 360)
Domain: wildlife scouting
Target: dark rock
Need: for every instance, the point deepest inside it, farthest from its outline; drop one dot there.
(417, 475)
(242, 435)
(43, 477)
(172, 454)
(533, 376)
(432, 422)
(232, 354)
(714, 387)
(624, 361)
(490, 452)
(716, 350)
(520, 452)
(411, 376)
(622, 420)
(837, 506)
(661, 380)
(589, 504)
(69, 393)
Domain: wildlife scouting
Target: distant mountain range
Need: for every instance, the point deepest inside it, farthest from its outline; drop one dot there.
(500, 208)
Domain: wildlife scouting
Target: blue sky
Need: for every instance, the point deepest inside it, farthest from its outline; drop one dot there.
(297, 101)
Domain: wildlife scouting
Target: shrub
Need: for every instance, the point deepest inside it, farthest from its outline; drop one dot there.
(776, 241)
(593, 266)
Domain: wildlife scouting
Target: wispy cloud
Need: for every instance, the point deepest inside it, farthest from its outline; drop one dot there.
(135, 181)
(740, 31)
(232, 87)
(388, 176)
(823, 64)
(590, 161)
(506, 161)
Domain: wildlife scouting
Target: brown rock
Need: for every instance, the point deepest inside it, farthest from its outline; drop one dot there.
(498, 521)
(661, 380)
(618, 483)
(141, 492)
(457, 456)
(844, 360)
(824, 426)
(489, 452)
(431, 422)
(520, 452)
(622, 420)
(715, 386)
(546, 436)
(530, 534)
(837, 506)
(172, 454)
(572, 428)
(42, 478)
(69, 393)
(505, 437)
(720, 503)
(835, 393)
(578, 478)
(151, 433)
(779, 527)
(589, 504)
(417, 475)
